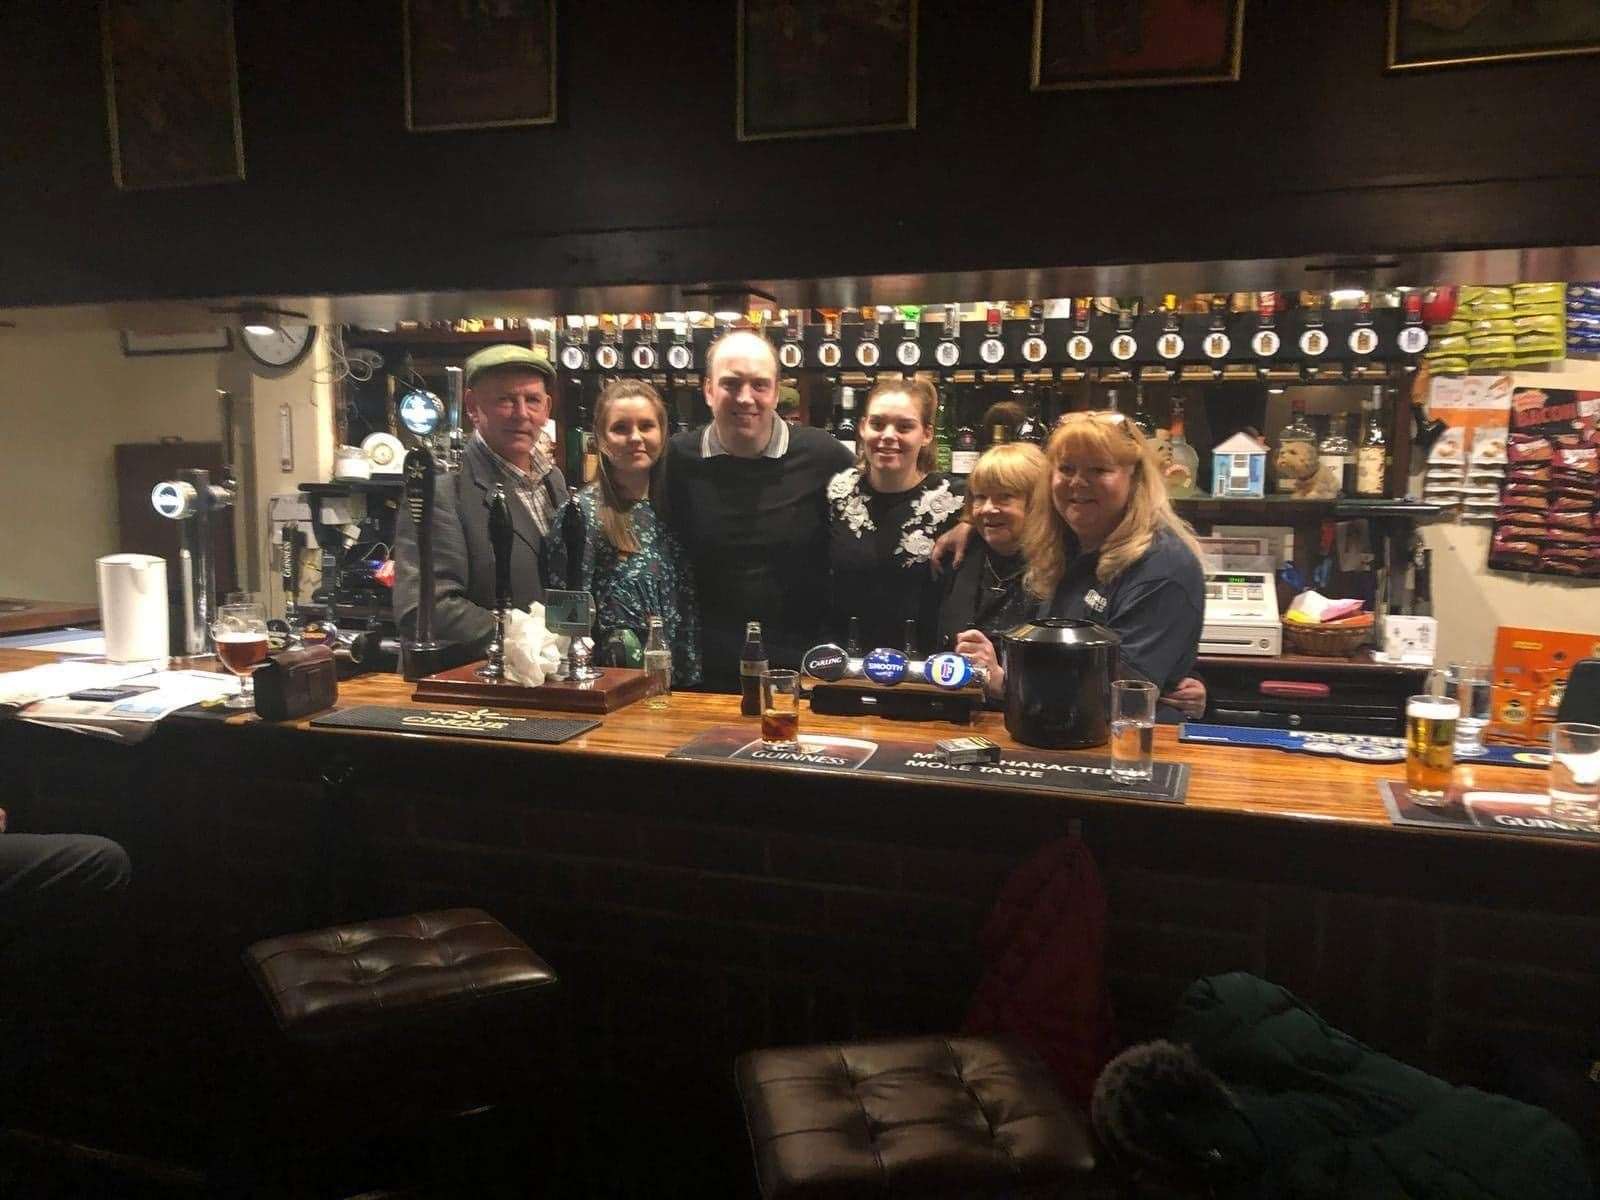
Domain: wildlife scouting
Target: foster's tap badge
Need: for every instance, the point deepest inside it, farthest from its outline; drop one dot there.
(950, 671)
(885, 666)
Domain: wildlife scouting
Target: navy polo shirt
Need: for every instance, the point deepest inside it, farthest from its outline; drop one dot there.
(1157, 605)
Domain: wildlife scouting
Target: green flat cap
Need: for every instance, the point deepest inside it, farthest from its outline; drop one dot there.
(493, 357)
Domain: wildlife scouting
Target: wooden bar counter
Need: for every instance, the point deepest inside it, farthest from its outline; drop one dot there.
(697, 909)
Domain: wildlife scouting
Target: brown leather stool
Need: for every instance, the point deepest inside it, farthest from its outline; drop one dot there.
(924, 1117)
(403, 1018)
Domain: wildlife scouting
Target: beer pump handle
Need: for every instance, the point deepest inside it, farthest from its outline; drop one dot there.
(420, 474)
(289, 571)
(500, 543)
(573, 535)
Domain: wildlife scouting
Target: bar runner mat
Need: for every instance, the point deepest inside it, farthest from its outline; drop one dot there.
(1359, 747)
(457, 722)
(1020, 769)
(1525, 814)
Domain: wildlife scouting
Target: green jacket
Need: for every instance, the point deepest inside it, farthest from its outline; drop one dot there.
(1321, 1115)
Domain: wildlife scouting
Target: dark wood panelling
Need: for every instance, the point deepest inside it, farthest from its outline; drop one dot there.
(1316, 150)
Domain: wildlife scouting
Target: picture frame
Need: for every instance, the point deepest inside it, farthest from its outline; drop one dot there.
(470, 66)
(172, 93)
(202, 341)
(1080, 44)
(1429, 33)
(817, 68)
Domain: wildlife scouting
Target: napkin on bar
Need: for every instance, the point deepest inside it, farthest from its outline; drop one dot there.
(532, 651)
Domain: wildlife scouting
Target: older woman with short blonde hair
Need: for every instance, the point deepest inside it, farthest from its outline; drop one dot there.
(1103, 544)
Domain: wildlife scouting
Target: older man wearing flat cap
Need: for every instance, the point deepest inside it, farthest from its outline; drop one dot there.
(507, 396)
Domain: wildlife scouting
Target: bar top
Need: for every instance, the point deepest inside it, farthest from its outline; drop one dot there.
(1254, 783)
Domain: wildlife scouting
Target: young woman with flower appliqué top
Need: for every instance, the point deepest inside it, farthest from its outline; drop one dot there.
(884, 515)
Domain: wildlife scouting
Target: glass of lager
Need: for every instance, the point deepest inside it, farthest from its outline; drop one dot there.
(1430, 747)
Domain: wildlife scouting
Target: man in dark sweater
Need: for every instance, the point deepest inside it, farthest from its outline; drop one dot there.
(747, 497)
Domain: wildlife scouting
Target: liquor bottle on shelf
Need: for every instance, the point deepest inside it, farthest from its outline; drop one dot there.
(1314, 338)
(1216, 343)
(964, 453)
(1182, 476)
(844, 421)
(1080, 345)
(1363, 338)
(1032, 428)
(1113, 404)
(992, 349)
(867, 349)
(1169, 345)
(948, 352)
(908, 352)
(643, 356)
(944, 433)
(574, 351)
(1297, 430)
(1333, 453)
(1413, 333)
(580, 447)
(1033, 345)
(752, 666)
(1141, 414)
(1372, 458)
(792, 353)
(680, 351)
(828, 351)
(608, 354)
(1266, 341)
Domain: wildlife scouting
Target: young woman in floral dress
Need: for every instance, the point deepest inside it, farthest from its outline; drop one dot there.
(884, 514)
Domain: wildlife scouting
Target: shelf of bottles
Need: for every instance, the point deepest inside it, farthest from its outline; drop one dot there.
(1008, 371)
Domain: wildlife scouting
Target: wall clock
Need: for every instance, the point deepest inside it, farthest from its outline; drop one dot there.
(280, 347)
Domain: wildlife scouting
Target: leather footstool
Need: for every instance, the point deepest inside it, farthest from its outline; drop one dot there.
(352, 979)
(922, 1117)
(392, 1024)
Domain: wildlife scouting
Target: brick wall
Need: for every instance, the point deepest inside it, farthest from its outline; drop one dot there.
(692, 916)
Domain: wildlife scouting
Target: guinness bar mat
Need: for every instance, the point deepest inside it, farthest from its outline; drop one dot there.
(1518, 813)
(457, 722)
(1022, 769)
(1358, 747)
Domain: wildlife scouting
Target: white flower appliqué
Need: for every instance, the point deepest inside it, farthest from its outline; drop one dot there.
(849, 506)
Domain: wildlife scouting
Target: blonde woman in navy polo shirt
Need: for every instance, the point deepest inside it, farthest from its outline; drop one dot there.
(1103, 544)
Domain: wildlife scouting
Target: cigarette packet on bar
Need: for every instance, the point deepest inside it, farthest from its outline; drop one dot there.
(974, 748)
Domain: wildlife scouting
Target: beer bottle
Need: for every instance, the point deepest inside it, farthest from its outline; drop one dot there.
(752, 666)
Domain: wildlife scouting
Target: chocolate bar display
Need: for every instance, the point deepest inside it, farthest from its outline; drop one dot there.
(1548, 518)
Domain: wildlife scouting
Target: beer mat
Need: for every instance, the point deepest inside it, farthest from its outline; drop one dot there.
(1525, 814)
(1023, 769)
(1358, 747)
(457, 722)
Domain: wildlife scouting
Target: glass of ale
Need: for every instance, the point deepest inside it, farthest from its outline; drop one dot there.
(780, 709)
(240, 635)
(1430, 747)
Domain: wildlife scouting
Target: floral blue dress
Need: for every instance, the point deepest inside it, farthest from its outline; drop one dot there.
(879, 544)
(656, 580)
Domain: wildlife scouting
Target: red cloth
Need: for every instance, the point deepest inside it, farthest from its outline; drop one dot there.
(1044, 977)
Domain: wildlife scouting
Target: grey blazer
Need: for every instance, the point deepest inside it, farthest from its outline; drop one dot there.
(463, 562)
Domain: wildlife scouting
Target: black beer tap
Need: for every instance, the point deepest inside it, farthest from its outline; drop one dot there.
(420, 655)
(500, 538)
(289, 574)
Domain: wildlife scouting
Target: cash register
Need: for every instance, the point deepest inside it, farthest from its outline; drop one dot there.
(1241, 614)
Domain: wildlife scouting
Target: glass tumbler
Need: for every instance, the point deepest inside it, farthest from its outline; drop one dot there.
(1133, 730)
(1574, 779)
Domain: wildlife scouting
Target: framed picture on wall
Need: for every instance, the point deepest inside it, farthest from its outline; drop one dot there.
(814, 67)
(479, 66)
(172, 92)
(1447, 33)
(1135, 43)
(201, 341)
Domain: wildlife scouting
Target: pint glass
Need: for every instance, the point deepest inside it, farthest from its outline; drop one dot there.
(1430, 747)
